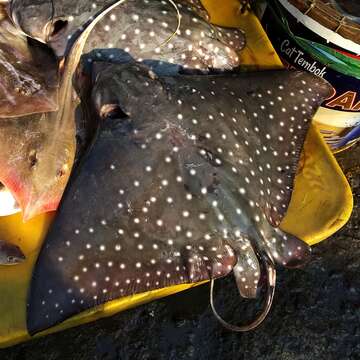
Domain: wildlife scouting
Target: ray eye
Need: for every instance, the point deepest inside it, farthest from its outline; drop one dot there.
(112, 111)
(57, 27)
(33, 158)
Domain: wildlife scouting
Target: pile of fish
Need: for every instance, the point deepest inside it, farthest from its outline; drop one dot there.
(178, 167)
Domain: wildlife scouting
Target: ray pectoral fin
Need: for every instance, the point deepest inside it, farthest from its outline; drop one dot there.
(21, 105)
(197, 7)
(65, 283)
(287, 249)
(233, 38)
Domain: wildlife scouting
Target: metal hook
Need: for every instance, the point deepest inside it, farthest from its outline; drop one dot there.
(271, 280)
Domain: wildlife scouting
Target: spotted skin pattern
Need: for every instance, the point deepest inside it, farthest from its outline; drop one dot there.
(184, 188)
(234, 38)
(145, 29)
(197, 7)
(142, 27)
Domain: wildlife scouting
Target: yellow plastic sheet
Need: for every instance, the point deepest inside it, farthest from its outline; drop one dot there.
(321, 203)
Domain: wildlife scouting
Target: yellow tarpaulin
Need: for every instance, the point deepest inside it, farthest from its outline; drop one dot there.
(321, 203)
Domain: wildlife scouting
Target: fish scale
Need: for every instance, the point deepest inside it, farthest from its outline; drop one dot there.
(155, 203)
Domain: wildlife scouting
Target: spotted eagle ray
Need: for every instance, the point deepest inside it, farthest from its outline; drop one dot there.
(187, 187)
(28, 74)
(148, 29)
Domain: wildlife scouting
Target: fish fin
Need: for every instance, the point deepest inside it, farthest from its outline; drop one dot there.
(286, 249)
(257, 126)
(197, 7)
(247, 270)
(13, 104)
(231, 37)
(292, 252)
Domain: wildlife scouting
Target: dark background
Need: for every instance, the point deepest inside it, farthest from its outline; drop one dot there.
(316, 314)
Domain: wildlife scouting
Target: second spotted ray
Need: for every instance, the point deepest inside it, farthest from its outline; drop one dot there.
(184, 188)
(146, 28)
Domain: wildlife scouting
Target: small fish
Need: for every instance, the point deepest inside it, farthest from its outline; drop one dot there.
(10, 254)
(28, 74)
(147, 29)
(187, 187)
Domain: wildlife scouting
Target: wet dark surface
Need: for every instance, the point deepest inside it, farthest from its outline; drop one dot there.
(316, 314)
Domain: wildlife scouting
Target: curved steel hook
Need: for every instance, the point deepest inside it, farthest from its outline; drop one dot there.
(271, 280)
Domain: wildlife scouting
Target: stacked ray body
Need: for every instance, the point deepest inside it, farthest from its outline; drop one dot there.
(181, 189)
(148, 29)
